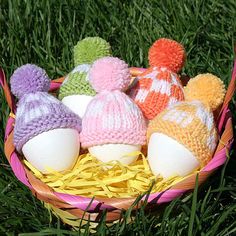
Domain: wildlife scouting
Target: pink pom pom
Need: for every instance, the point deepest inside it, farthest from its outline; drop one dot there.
(109, 73)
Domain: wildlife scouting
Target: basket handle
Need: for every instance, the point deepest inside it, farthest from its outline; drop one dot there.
(7, 92)
(231, 88)
(229, 95)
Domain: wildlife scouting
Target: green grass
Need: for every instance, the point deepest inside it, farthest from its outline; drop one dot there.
(44, 32)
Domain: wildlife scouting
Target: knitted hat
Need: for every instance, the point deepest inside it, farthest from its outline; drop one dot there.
(85, 53)
(37, 111)
(191, 122)
(112, 117)
(159, 86)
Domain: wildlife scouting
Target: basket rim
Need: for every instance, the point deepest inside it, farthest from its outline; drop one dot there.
(63, 200)
(113, 205)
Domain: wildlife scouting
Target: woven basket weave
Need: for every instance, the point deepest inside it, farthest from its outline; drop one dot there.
(82, 207)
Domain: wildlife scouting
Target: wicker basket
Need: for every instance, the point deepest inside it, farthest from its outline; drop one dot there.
(73, 207)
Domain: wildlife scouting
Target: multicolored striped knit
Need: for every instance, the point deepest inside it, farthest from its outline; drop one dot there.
(156, 89)
(191, 124)
(112, 117)
(86, 52)
(159, 86)
(37, 111)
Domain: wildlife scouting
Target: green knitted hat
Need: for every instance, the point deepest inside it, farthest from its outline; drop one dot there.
(86, 52)
(77, 83)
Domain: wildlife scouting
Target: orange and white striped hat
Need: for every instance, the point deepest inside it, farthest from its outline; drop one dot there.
(191, 122)
(159, 86)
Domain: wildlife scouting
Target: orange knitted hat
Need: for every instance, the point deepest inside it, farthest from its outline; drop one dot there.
(159, 86)
(191, 122)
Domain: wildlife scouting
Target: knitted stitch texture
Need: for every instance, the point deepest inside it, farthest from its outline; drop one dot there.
(155, 90)
(192, 125)
(159, 86)
(29, 78)
(77, 83)
(90, 49)
(167, 53)
(207, 88)
(112, 117)
(109, 74)
(86, 52)
(37, 111)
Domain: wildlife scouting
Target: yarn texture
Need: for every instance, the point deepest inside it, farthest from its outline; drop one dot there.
(77, 84)
(29, 78)
(85, 53)
(38, 112)
(167, 53)
(191, 122)
(90, 49)
(155, 90)
(192, 125)
(110, 73)
(207, 88)
(159, 86)
(112, 117)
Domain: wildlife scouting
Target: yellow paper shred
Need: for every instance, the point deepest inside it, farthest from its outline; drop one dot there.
(90, 177)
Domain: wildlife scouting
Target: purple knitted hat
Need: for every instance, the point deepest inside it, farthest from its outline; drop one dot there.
(112, 117)
(37, 111)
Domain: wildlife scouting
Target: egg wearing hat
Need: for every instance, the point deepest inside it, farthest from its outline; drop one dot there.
(159, 86)
(113, 125)
(183, 137)
(76, 91)
(46, 131)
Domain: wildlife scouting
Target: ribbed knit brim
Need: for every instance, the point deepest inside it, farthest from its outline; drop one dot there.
(112, 117)
(77, 83)
(40, 112)
(191, 124)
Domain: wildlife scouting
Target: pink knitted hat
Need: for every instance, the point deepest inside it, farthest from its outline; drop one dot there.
(112, 117)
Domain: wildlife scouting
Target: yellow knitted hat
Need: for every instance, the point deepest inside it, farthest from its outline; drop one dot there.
(191, 122)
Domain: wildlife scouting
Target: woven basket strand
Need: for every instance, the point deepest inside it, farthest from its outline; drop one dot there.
(88, 208)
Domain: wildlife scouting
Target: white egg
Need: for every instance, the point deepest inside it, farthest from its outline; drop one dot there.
(167, 157)
(56, 149)
(115, 152)
(77, 103)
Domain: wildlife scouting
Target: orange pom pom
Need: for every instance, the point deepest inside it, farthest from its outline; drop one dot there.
(167, 53)
(207, 88)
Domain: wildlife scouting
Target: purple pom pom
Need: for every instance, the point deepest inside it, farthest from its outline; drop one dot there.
(29, 78)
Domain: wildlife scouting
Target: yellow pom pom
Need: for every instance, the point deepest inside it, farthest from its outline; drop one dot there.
(206, 88)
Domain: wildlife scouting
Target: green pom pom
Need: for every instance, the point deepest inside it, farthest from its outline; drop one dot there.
(90, 49)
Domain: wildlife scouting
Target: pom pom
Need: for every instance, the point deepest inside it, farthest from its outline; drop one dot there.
(109, 73)
(207, 88)
(167, 53)
(90, 49)
(29, 78)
